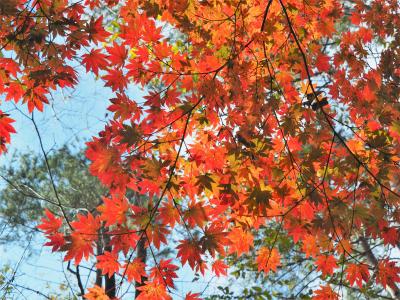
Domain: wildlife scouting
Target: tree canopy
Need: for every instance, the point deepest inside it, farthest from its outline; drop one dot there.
(263, 121)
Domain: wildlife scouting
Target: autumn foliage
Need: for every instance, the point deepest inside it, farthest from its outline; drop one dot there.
(257, 112)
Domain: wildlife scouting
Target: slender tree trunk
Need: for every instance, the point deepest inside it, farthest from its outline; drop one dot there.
(370, 256)
(142, 255)
(109, 281)
(99, 251)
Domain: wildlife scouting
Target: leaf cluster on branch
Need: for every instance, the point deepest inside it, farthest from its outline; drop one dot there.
(278, 114)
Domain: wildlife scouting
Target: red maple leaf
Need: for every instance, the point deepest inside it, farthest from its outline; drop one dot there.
(114, 210)
(219, 268)
(189, 251)
(96, 293)
(390, 236)
(153, 290)
(85, 233)
(164, 273)
(5, 130)
(169, 214)
(190, 296)
(96, 30)
(50, 224)
(196, 214)
(135, 270)
(123, 239)
(388, 273)
(156, 233)
(214, 240)
(117, 54)
(115, 79)
(357, 274)
(322, 63)
(14, 91)
(325, 293)
(326, 264)
(108, 263)
(94, 61)
(124, 108)
(241, 241)
(57, 241)
(268, 259)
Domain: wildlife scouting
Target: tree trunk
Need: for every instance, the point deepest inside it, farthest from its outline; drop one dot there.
(142, 255)
(109, 281)
(99, 251)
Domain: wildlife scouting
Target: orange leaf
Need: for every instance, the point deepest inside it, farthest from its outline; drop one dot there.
(96, 293)
(108, 263)
(50, 224)
(357, 274)
(322, 63)
(135, 270)
(153, 291)
(268, 259)
(325, 293)
(219, 268)
(326, 264)
(241, 241)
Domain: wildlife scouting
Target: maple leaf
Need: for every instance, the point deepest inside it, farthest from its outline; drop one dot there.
(117, 54)
(241, 241)
(204, 181)
(103, 158)
(94, 61)
(189, 251)
(116, 80)
(57, 241)
(114, 210)
(201, 267)
(156, 233)
(325, 293)
(96, 293)
(96, 30)
(214, 240)
(390, 236)
(50, 224)
(306, 210)
(388, 273)
(196, 214)
(35, 100)
(191, 296)
(123, 239)
(135, 270)
(108, 263)
(10, 66)
(268, 259)
(322, 63)
(150, 31)
(130, 134)
(169, 214)
(14, 91)
(77, 248)
(164, 273)
(124, 108)
(80, 243)
(153, 290)
(5, 130)
(357, 274)
(258, 200)
(326, 264)
(219, 268)
(310, 247)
